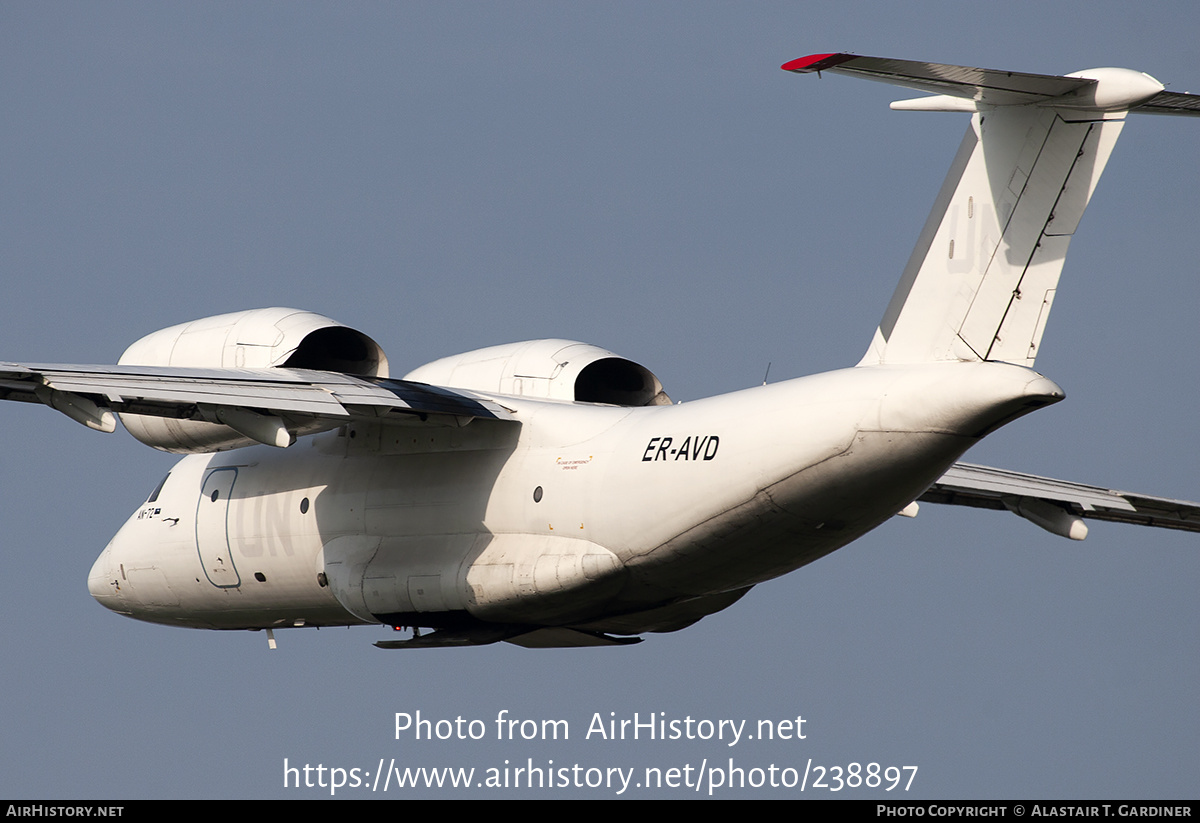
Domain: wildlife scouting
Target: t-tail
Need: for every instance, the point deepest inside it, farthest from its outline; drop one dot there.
(982, 278)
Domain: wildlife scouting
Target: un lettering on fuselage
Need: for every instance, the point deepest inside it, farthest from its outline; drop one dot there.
(693, 447)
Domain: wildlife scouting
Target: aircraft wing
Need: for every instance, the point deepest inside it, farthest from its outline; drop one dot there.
(268, 405)
(1059, 506)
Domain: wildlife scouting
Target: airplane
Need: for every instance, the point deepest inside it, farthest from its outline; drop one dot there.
(550, 493)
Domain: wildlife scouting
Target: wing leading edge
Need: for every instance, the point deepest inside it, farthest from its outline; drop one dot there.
(271, 405)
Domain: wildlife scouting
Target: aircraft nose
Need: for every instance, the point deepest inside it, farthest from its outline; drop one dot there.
(104, 582)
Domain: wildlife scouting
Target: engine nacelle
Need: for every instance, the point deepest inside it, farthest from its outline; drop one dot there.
(556, 369)
(256, 339)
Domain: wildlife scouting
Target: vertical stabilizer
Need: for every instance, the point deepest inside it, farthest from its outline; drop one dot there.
(982, 278)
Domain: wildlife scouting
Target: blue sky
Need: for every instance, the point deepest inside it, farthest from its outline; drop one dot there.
(643, 177)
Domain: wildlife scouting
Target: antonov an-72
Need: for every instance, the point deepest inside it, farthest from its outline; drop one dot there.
(549, 493)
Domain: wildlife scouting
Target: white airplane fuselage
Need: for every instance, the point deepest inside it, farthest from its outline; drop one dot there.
(586, 515)
(548, 493)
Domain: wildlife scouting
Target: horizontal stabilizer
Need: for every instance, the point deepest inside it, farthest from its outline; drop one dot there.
(1001, 88)
(1105, 89)
(1171, 102)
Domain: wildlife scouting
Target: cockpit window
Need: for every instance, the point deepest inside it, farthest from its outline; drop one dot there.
(158, 488)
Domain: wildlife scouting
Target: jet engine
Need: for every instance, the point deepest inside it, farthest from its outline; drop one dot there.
(256, 339)
(555, 369)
